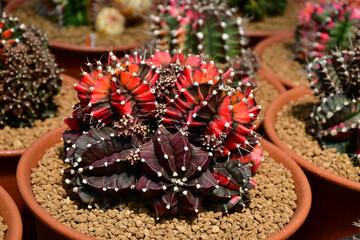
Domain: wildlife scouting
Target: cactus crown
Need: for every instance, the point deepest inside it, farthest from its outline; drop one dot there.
(336, 120)
(199, 26)
(256, 10)
(28, 73)
(325, 26)
(184, 119)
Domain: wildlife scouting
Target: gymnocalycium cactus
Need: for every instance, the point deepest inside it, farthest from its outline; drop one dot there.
(199, 26)
(325, 26)
(336, 120)
(29, 78)
(256, 10)
(167, 126)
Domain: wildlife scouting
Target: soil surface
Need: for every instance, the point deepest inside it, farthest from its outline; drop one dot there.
(135, 31)
(274, 201)
(3, 228)
(286, 21)
(15, 138)
(291, 128)
(279, 58)
(264, 94)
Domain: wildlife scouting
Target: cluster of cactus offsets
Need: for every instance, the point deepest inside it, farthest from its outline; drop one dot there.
(256, 10)
(199, 26)
(325, 26)
(335, 121)
(29, 77)
(174, 128)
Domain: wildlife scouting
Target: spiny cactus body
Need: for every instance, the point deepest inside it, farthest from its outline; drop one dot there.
(185, 112)
(29, 77)
(256, 10)
(336, 120)
(325, 26)
(199, 26)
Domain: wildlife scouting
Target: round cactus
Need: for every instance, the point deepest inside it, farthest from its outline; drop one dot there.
(134, 8)
(325, 26)
(336, 120)
(29, 75)
(110, 22)
(187, 116)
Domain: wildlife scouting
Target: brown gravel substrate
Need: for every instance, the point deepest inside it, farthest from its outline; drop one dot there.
(279, 59)
(273, 205)
(291, 128)
(264, 94)
(286, 21)
(134, 32)
(3, 228)
(15, 138)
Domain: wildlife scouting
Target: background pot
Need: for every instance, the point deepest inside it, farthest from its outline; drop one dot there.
(335, 198)
(53, 229)
(65, 53)
(8, 162)
(11, 215)
(268, 42)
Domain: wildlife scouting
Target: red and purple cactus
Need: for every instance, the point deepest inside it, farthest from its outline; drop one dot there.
(336, 120)
(325, 26)
(186, 117)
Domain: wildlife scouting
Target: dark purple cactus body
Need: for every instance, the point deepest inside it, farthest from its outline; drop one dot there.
(176, 174)
(102, 164)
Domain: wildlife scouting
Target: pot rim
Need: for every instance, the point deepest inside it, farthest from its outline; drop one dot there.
(74, 47)
(268, 42)
(7, 153)
(11, 216)
(269, 125)
(38, 148)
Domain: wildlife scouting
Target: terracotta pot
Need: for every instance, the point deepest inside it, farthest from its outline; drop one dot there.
(53, 229)
(331, 189)
(11, 216)
(268, 42)
(9, 160)
(77, 48)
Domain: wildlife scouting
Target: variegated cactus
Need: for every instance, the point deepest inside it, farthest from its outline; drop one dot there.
(187, 117)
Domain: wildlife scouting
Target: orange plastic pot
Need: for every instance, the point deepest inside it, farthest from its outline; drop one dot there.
(53, 229)
(268, 42)
(11, 216)
(336, 198)
(9, 160)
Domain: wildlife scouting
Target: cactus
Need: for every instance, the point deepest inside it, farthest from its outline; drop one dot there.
(176, 174)
(29, 75)
(199, 26)
(134, 8)
(325, 26)
(110, 22)
(184, 108)
(256, 10)
(336, 120)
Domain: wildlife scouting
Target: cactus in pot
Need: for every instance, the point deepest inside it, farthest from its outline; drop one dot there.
(335, 120)
(29, 75)
(167, 126)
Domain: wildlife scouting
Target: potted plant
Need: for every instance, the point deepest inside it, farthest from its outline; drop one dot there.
(322, 27)
(10, 220)
(32, 99)
(321, 134)
(144, 137)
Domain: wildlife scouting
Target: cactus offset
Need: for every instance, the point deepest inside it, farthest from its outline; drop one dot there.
(185, 113)
(199, 26)
(336, 120)
(133, 8)
(325, 26)
(256, 10)
(29, 75)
